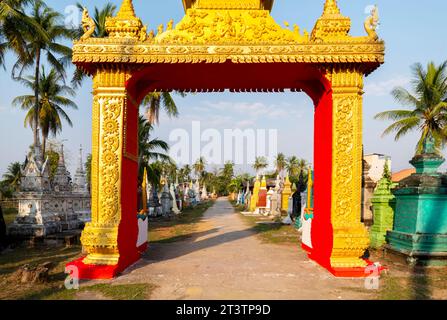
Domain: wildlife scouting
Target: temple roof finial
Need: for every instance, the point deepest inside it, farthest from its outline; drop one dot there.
(127, 10)
(331, 7)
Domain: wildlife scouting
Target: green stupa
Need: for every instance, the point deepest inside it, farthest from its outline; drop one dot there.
(383, 202)
(420, 220)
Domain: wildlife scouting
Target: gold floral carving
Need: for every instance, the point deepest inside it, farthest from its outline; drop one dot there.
(350, 236)
(99, 237)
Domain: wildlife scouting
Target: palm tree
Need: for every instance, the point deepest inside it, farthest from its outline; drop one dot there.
(12, 21)
(52, 99)
(38, 44)
(228, 170)
(199, 167)
(427, 106)
(13, 175)
(280, 163)
(148, 149)
(261, 163)
(185, 173)
(155, 101)
(293, 166)
(303, 165)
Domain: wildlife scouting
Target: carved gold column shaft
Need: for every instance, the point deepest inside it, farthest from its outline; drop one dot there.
(100, 236)
(349, 234)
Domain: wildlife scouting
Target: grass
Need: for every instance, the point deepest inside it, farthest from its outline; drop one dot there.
(12, 260)
(179, 228)
(103, 290)
(403, 282)
(276, 232)
(9, 214)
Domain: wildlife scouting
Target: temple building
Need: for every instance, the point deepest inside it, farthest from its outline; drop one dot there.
(48, 206)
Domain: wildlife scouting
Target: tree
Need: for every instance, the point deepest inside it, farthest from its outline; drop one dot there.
(52, 94)
(38, 44)
(12, 177)
(261, 163)
(280, 163)
(156, 101)
(12, 21)
(199, 167)
(293, 166)
(228, 170)
(427, 106)
(184, 173)
(149, 149)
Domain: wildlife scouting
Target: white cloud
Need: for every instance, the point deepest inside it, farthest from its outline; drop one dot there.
(383, 88)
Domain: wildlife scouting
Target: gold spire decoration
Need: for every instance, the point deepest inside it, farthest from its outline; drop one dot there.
(127, 10)
(332, 24)
(331, 8)
(126, 25)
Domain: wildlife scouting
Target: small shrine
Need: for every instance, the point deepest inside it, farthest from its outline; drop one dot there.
(420, 219)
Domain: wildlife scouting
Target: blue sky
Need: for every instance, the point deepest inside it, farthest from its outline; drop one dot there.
(413, 31)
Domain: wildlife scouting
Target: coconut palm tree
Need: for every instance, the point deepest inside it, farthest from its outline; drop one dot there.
(427, 106)
(156, 101)
(10, 13)
(53, 99)
(260, 164)
(199, 167)
(303, 165)
(12, 21)
(149, 149)
(293, 166)
(12, 176)
(280, 163)
(39, 45)
(228, 170)
(184, 173)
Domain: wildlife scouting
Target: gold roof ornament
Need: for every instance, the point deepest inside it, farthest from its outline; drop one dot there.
(126, 24)
(332, 25)
(244, 32)
(228, 4)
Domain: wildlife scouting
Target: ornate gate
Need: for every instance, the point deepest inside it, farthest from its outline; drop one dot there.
(235, 45)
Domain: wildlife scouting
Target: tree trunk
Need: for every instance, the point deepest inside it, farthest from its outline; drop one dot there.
(36, 97)
(44, 145)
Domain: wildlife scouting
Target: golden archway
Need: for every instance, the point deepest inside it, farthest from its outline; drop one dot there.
(216, 40)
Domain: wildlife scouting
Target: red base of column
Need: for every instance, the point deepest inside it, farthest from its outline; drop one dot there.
(95, 272)
(362, 272)
(103, 272)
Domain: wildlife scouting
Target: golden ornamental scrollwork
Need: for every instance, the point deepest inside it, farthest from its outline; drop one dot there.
(201, 26)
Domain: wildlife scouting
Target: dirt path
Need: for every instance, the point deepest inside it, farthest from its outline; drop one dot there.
(225, 260)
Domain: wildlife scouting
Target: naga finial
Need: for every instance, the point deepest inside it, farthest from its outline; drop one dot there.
(372, 22)
(88, 24)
